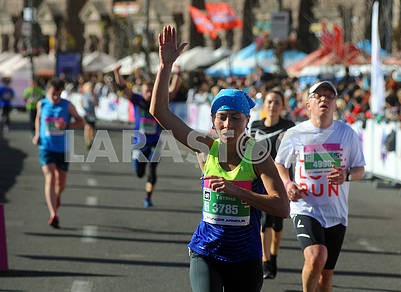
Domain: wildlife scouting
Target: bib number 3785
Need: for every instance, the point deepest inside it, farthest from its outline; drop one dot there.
(219, 208)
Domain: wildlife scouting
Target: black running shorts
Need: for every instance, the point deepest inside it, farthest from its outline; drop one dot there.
(309, 232)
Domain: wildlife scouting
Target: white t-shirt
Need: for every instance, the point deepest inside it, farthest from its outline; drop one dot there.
(314, 151)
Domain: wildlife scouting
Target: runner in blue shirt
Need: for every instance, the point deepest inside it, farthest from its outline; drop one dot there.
(53, 118)
(6, 95)
(146, 136)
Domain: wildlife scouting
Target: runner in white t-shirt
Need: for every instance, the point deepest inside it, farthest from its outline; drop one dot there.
(327, 155)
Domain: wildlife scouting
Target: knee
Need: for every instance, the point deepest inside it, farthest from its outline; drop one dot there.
(61, 181)
(315, 257)
(152, 179)
(140, 173)
(139, 168)
(50, 177)
(61, 185)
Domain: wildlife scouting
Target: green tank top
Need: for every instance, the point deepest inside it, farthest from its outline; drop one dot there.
(222, 209)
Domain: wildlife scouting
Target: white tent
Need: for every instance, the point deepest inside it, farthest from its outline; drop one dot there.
(339, 71)
(4, 56)
(249, 58)
(96, 61)
(198, 57)
(43, 64)
(7, 66)
(135, 61)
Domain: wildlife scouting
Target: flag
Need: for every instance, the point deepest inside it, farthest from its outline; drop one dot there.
(338, 41)
(326, 37)
(223, 16)
(376, 77)
(202, 22)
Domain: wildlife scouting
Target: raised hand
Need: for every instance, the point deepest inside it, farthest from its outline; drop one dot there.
(168, 50)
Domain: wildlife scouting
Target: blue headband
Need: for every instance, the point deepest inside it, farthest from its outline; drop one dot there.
(232, 100)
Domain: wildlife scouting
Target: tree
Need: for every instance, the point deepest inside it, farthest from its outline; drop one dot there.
(385, 22)
(248, 22)
(397, 32)
(305, 18)
(386, 14)
(368, 19)
(196, 38)
(73, 26)
(346, 15)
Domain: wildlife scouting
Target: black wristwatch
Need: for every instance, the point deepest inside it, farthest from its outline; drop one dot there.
(349, 176)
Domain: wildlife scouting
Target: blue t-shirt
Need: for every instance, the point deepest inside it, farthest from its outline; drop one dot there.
(6, 95)
(52, 138)
(145, 123)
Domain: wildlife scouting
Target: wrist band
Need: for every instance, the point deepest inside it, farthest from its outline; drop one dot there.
(348, 177)
(287, 182)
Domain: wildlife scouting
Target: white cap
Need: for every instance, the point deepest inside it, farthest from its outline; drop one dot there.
(326, 84)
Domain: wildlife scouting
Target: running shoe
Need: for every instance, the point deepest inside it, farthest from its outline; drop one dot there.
(147, 202)
(266, 269)
(54, 222)
(270, 268)
(273, 267)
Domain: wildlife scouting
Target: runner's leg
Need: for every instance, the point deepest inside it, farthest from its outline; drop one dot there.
(49, 172)
(61, 181)
(315, 257)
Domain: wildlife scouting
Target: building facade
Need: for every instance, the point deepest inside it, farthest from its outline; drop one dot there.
(89, 25)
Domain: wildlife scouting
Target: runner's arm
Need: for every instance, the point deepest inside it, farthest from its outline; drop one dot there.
(284, 173)
(121, 82)
(275, 202)
(79, 122)
(35, 139)
(168, 53)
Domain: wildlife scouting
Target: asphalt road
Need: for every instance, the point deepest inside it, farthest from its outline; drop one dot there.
(109, 242)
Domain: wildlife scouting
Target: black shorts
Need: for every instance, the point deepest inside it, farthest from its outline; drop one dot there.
(270, 221)
(309, 232)
(90, 119)
(48, 157)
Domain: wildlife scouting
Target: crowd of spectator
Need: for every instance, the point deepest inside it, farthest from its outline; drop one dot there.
(352, 102)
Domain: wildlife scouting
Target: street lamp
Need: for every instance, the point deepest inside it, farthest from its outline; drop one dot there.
(31, 33)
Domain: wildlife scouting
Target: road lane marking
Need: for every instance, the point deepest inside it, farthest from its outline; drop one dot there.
(368, 246)
(85, 167)
(92, 182)
(81, 286)
(89, 233)
(91, 201)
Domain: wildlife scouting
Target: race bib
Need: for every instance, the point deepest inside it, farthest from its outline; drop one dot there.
(222, 209)
(7, 96)
(148, 126)
(319, 159)
(51, 129)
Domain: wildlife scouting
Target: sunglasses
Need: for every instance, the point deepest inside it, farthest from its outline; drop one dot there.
(319, 96)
